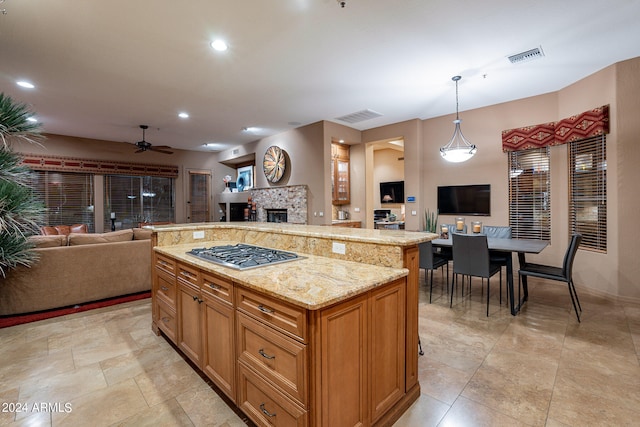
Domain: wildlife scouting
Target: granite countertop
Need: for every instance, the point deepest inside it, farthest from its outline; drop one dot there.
(365, 235)
(313, 282)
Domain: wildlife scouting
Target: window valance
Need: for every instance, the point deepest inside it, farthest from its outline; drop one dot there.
(102, 167)
(581, 126)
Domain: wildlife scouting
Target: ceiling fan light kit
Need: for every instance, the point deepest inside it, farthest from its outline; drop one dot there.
(147, 146)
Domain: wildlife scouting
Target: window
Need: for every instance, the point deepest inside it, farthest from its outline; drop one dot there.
(67, 197)
(530, 194)
(135, 199)
(588, 192)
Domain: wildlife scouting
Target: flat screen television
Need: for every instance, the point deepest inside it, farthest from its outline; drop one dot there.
(464, 200)
(392, 192)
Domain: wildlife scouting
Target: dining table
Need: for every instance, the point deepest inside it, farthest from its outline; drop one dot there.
(519, 246)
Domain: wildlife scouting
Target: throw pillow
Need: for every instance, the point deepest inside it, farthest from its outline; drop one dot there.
(142, 233)
(76, 239)
(48, 241)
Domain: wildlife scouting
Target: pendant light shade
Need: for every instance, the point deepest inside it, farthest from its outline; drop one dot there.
(458, 149)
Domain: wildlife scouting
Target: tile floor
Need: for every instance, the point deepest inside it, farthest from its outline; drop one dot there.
(540, 368)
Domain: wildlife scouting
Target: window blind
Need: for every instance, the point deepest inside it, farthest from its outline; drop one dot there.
(67, 197)
(135, 199)
(530, 194)
(588, 192)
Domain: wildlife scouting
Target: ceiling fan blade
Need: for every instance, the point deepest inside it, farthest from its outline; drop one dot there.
(139, 151)
(160, 150)
(162, 147)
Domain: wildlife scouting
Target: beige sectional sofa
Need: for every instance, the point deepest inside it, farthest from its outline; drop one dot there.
(79, 268)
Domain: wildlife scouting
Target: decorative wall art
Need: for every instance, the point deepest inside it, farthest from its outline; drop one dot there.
(274, 163)
(245, 178)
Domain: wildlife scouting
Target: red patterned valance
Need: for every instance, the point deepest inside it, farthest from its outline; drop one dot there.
(528, 137)
(581, 126)
(102, 167)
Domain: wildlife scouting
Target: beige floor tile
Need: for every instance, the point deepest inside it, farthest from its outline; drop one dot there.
(465, 412)
(441, 381)
(103, 349)
(63, 388)
(205, 408)
(425, 412)
(164, 414)
(514, 384)
(103, 407)
(452, 352)
(538, 340)
(18, 372)
(9, 399)
(166, 382)
(136, 362)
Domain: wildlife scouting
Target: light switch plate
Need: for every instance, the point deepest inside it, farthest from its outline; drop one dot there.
(198, 234)
(356, 209)
(414, 213)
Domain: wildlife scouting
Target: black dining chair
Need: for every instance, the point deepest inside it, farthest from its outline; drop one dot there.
(499, 257)
(560, 274)
(431, 261)
(471, 258)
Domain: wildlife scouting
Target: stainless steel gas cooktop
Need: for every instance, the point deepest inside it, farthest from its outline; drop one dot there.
(242, 256)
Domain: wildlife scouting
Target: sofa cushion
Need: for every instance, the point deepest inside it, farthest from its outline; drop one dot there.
(48, 241)
(141, 233)
(65, 230)
(76, 239)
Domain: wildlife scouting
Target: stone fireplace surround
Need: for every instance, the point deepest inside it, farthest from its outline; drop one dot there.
(293, 198)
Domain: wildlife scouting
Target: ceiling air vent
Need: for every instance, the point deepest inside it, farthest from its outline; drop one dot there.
(526, 56)
(359, 116)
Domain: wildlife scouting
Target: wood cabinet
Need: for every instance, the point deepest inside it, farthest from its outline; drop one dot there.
(164, 296)
(350, 364)
(205, 325)
(340, 174)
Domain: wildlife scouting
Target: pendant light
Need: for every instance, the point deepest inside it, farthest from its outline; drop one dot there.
(458, 149)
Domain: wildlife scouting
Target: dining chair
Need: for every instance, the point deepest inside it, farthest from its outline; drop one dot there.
(471, 258)
(560, 274)
(499, 257)
(431, 261)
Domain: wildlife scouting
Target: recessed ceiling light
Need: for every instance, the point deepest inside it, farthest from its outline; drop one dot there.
(25, 84)
(219, 45)
(183, 115)
(251, 129)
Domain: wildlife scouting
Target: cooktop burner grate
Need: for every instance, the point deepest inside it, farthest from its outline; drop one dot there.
(242, 256)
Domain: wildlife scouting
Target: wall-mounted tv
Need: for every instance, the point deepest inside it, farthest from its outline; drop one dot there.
(392, 192)
(464, 200)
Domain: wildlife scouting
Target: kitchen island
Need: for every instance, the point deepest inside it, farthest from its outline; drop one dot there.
(328, 339)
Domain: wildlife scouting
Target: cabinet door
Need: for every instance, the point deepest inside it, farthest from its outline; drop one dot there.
(218, 359)
(344, 359)
(190, 322)
(387, 356)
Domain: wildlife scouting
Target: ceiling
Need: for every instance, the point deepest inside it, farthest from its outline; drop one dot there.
(102, 68)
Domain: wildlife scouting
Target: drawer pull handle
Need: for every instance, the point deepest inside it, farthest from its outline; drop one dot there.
(163, 263)
(164, 288)
(165, 319)
(214, 286)
(264, 411)
(265, 355)
(195, 298)
(264, 309)
(187, 274)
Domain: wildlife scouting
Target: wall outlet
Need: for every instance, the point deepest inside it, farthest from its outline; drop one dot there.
(198, 234)
(321, 213)
(414, 213)
(339, 248)
(356, 209)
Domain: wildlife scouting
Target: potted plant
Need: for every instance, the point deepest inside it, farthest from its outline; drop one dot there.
(430, 221)
(20, 213)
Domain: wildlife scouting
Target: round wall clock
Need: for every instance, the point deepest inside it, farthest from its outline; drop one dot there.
(274, 163)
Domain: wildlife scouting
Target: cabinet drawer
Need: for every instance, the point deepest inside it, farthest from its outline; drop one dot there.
(165, 263)
(166, 320)
(188, 274)
(217, 287)
(287, 318)
(166, 288)
(265, 405)
(280, 359)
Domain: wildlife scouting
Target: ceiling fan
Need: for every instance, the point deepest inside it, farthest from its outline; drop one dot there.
(146, 146)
